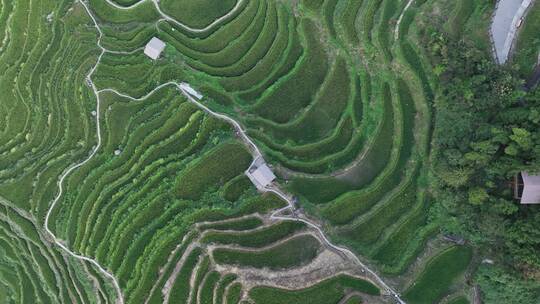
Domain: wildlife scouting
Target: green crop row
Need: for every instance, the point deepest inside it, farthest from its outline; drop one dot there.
(384, 32)
(223, 61)
(206, 292)
(283, 102)
(125, 163)
(330, 291)
(180, 290)
(258, 73)
(127, 40)
(225, 281)
(342, 135)
(370, 230)
(323, 114)
(393, 173)
(312, 4)
(286, 66)
(233, 190)
(257, 238)
(234, 293)
(197, 14)
(413, 59)
(368, 20)
(294, 252)
(31, 269)
(240, 224)
(222, 37)
(201, 272)
(348, 20)
(219, 165)
(329, 10)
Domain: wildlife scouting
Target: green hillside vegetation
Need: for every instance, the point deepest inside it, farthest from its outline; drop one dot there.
(388, 134)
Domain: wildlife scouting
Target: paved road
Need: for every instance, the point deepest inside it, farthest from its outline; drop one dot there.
(506, 19)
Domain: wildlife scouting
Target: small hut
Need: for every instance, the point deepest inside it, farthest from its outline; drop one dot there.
(154, 48)
(260, 174)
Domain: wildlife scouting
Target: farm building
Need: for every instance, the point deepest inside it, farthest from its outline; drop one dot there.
(154, 48)
(527, 188)
(260, 174)
(191, 91)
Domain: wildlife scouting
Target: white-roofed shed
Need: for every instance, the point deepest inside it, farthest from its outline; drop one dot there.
(154, 48)
(260, 174)
(531, 189)
(191, 91)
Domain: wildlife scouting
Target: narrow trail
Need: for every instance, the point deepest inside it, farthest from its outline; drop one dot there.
(396, 29)
(256, 153)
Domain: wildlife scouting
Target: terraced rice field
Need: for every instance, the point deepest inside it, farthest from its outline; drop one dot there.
(153, 188)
